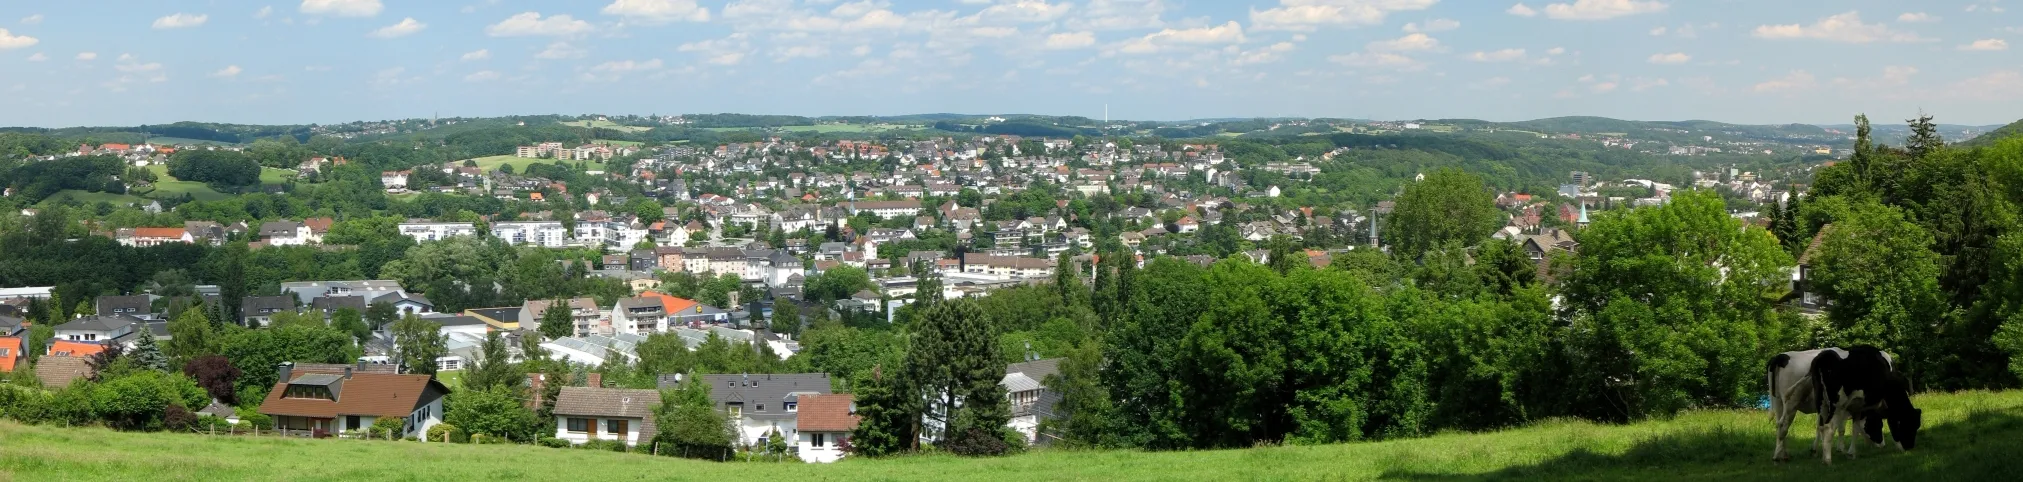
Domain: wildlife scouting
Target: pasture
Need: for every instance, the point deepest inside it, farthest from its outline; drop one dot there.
(492, 163)
(1968, 436)
(605, 124)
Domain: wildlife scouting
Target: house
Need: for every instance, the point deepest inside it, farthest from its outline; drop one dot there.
(332, 401)
(1805, 295)
(58, 372)
(11, 348)
(145, 237)
(99, 329)
(641, 315)
(760, 404)
(394, 181)
(583, 414)
(547, 234)
(306, 292)
(328, 305)
(824, 423)
(583, 311)
(1031, 401)
(884, 209)
(434, 231)
(260, 310)
(504, 318)
(284, 233)
(137, 306)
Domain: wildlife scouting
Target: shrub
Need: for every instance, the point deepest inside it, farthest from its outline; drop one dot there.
(385, 427)
(610, 445)
(208, 423)
(252, 416)
(556, 443)
(977, 442)
(178, 419)
(71, 406)
(436, 432)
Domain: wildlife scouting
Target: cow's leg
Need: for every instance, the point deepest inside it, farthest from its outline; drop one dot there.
(1782, 416)
(1830, 418)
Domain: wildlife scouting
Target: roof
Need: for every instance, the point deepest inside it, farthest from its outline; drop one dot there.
(1018, 382)
(252, 303)
(1812, 249)
(334, 303)
(770, 390)
(136, 303)
(1038, 370)
(454, 320)
(671, 303)
(10, 351)
(374, 394)
(57, 372)
(99, 323)
(173, 233)
(67, 348)
(607, 402)
(827, 413)
(279, 228)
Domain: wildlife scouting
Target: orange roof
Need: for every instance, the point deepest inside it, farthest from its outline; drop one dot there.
(10, 350)
(826, 413)
(375, 394)
(74, 348)
(672, 303)
(158, 232)
(115, 147)
(534, 196)
(318, 225)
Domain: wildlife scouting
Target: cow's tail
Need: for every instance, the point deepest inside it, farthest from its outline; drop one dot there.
(1777, 363)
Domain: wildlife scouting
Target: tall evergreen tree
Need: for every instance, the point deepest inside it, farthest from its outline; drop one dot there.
(888, 417)
(147, 353)
(557, 321)
(494, 368)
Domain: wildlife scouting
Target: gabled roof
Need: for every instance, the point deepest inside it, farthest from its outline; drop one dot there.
(171, 233)
(57, 372)
(772, 390)
(99, 323)
(10, 352)
(827, 413)
(374, 394)
(607, 402)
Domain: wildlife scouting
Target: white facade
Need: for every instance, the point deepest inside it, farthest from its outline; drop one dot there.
(599, 428)
(437, 231)
(821, 447)
(547, 234)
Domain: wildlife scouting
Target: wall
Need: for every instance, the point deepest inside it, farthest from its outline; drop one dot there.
(830, 451)
(579, 438)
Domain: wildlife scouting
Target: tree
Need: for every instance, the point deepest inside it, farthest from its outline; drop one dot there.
(349, 320)
(1449, 205)
(1883, 279)
(887, 418)
(494, 369)
(493, 412)
(557, 321)
(954, 357)
(216, 375)
(837, 283)
(417, 344)
(380, 314)
(690, 426)
(1084, 410)
(786, 318)
(147, 353)
(191, 336)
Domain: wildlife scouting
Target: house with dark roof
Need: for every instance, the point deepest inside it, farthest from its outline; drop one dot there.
(137, 306)
(760, 404)
(99, 329)
(328, 305)
(259, 310)
(58, 372)
(823, 423)
(583, 414)
(505, 318)
(1031, 400)
(347, 398)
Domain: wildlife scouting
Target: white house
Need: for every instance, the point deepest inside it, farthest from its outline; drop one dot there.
(823, 423)
(759, 405)
(285, 233)
(547, 234)
(642, 315)
(395, 181)
(98, 329)
(583, 414)
(435, 231)
(339, 398)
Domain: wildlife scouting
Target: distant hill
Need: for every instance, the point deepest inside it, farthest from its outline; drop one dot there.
(2004, 132)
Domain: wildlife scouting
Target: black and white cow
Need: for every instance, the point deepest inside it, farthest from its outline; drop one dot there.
(1863, 382)
(1792, 391)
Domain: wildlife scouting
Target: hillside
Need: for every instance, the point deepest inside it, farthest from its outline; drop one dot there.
(1968, 436)
(2004, 132)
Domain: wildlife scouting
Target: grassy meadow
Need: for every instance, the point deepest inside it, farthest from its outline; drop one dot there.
(605, 124)
(492, 163)
(1968, 436)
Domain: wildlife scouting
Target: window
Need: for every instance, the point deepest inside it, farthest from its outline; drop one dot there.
(615, 427)
(737, 410)
(762, 407)
(818, 439)
(579, 425)
(351, 422)
(792, 407)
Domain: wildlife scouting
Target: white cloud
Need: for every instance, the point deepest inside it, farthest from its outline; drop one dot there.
(37, 57)
(181, 20)
(1796, 80)
(229, 71)
(1556, 51)
(391, 76)
(1917, 17)
(1671, 58)
(786, 53)
(1435, 25)
(31, 19)
(479, 54)
(1266, 55)
(1070, 40)
(482, 76)
(138, 67)
(1118, 15)
(658, 11)
(1642, 84)
(1378, 60)
(9, 41)
(1521, 11)
(1505, 55)
(87, 55)
(342, 8)
(1410, 43)
(729, 50)
(1603, 87)
(1018, 11)
(531, 23)
(1228, 33)
(125, 57)
(627, 66)
(1307, 15)
(1987, 45)
(406, 27)
(263, 12)
(1660, 31)
(560, 50)
(1601, 9)
(1846, 27)
(1492, 83)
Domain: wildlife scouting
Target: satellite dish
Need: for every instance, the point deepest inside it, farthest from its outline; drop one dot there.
(627, 400)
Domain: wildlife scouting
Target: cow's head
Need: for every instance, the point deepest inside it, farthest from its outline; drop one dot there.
(1904, 427)
(1873, 428)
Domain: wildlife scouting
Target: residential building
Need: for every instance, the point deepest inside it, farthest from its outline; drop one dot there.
(258, 311)
(145, 237)
(333, 401)
(137, 306)
(435, 231)
(583, 311)
(548, 234)
(284, 233)
(761, 404)
(642, 315)
(394, 181)
(884, 209)
(1031, 400)
(824, 423)
(583, 414)
(99, 329)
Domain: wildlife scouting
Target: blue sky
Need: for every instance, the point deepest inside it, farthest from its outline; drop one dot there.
(1751, 61)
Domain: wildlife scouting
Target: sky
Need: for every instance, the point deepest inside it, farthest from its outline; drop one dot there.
(330, 61)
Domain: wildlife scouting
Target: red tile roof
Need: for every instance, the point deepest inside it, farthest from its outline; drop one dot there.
(73, 348)
(374, 394)
(10, 351)
(826, 413)
(319, 225)
(174, 233)
(673, 304)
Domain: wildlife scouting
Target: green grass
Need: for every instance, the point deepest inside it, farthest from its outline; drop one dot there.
(622, 143)
(196, 190)
(492, 163)
(269, 175)
(158, 140)
(606, 125)
(1968, 436)
(826, 128)
(89, 198)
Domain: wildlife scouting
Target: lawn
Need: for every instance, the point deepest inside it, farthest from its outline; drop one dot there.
(606, 125)
(492, 163)
(826, 128)
(89, 198)
(621, 143)
(1968, 436)
(269, 175)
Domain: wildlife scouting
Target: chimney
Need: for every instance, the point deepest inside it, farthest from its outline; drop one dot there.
(347, 372)
(284, 370)
(596, 380)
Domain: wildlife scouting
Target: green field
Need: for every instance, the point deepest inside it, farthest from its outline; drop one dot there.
(1967, 436)
(269, 175)
(622, 143)
(606, 125)
(85, 197)
(178, 141)
(826, 128)
(492, 163)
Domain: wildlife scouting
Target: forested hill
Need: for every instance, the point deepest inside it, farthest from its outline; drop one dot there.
(2004, 132)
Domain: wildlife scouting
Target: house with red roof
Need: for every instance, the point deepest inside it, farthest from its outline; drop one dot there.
(145, 237)
(823, 424)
